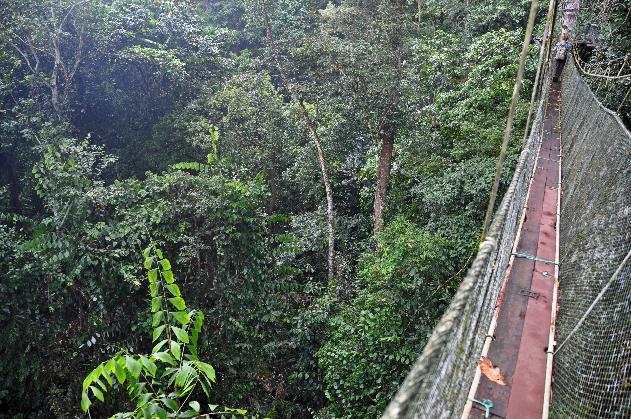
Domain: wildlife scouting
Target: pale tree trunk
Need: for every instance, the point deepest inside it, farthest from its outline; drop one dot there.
(327, 189)
(313, 130)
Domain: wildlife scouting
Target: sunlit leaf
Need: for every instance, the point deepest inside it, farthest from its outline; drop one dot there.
(181, 316)
(158, 331)
(174, 290)
(178, 303)
(133, 366)
(181, 334)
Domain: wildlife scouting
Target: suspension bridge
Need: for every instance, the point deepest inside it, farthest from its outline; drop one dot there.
(541, 324)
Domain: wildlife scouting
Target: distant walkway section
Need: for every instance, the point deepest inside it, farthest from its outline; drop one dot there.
(520, 340)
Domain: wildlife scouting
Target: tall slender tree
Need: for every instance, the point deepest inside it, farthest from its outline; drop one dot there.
(313, 130)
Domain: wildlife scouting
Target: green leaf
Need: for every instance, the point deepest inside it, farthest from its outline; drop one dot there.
(166, 265)
(133, 366)
(85, 402)
(148, 263)
(197, 327)
(149, 365)
(176, 350)
(181, 316)
(164, 357)
(119, 370)
(157, 318)
(159, 346)
(185, 375)
(109, 366)
(174, 290)
(206, 369)
(178, 303)
(97, 393)
(143, 399)
(100, 383)
(212, 407)
(170, 403)
(181, 334)
(146, 252)
(194, 405)
(152, 275)
(154, 288)
(87, 381)
(161, 413)
(159, 253)
(158, 331)
(168, 276)
(156, 304)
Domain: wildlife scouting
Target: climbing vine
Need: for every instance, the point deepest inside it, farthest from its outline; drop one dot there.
(163, 382)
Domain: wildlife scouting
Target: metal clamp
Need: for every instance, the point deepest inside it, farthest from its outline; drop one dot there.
(536, 259)
(486, 404)
(529, 294)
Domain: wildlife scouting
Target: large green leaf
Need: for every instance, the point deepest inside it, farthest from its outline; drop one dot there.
(168, 276)
(149, 365)
(178, 303)
(164, 357)
(158, 331)
(97, 393)
(166, 265)
(152, 275)
(159, 346)
(181, 334)
(133, 366)
(174, 290)
(170, 403)
(181, 316)
(156, 304)
(194, 405)
(206, 369)
(157, 318)
(176, 350)
(85, 402)
(119, 370)
(154, 289)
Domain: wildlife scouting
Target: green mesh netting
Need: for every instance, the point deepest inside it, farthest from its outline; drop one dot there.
(592, 370)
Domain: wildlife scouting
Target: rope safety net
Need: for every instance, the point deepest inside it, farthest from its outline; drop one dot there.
(592, 363)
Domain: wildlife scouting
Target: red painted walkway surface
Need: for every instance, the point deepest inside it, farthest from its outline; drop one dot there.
(523, 327)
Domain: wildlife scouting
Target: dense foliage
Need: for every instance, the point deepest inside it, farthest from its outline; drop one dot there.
(190, 125)
(603, 40)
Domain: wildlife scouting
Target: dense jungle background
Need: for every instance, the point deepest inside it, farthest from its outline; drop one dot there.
(315, 171)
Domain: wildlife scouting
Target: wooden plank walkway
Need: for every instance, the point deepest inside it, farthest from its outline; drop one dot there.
(523, 326)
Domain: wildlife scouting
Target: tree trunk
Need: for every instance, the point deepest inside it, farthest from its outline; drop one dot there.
(327, 189)
(311, 125)
(383, 177)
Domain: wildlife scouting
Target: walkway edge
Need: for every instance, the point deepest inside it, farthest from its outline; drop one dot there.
(555, 302)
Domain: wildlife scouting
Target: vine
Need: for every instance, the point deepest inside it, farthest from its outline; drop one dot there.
(162, 382)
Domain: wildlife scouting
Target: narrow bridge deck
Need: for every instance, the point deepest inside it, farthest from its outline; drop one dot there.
(525, 303)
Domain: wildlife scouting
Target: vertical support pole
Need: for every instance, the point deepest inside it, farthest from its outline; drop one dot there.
(543, 60)
(511, 116)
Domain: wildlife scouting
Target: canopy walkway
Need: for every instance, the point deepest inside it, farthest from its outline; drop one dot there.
(547, 301)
